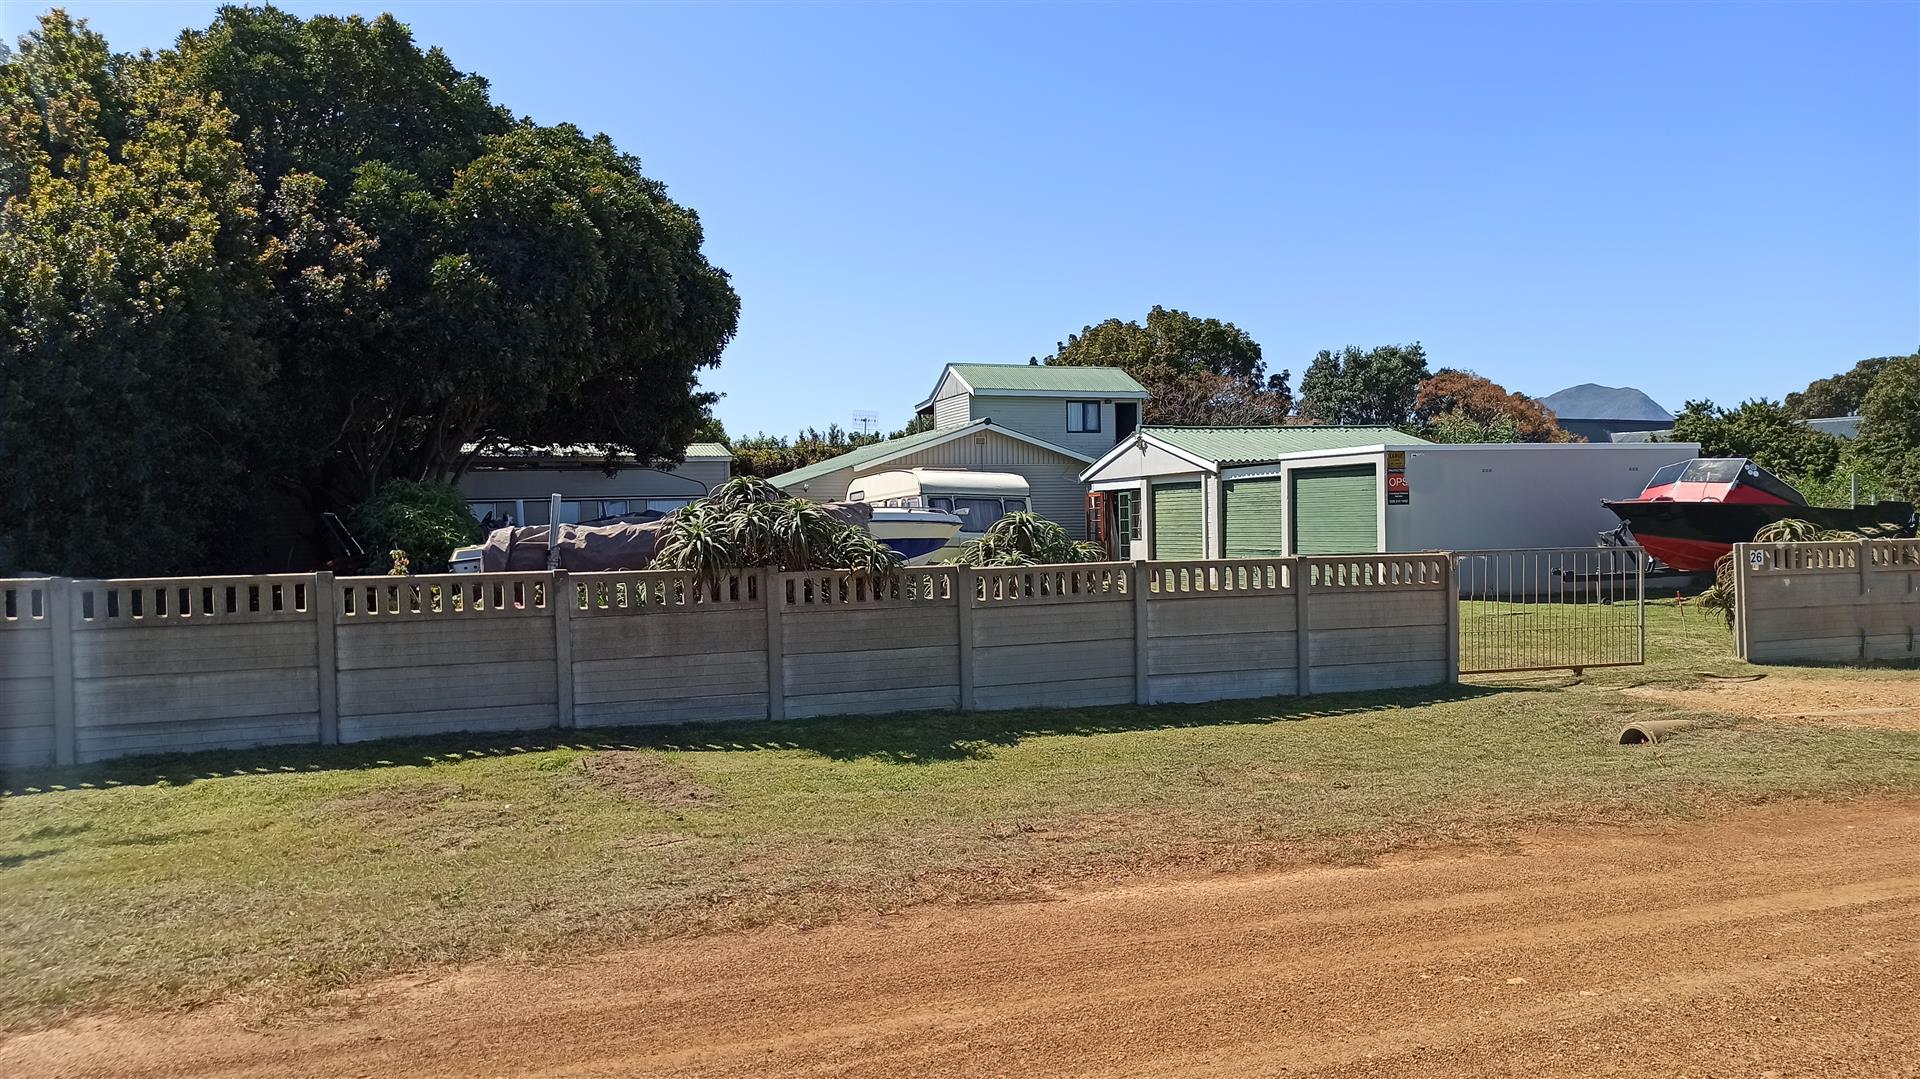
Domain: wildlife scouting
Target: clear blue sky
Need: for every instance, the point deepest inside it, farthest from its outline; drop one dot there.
(1698, 199)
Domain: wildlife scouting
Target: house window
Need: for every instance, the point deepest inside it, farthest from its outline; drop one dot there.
(1083, 416)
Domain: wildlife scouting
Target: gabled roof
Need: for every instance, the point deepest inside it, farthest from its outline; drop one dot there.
(708, 450)
(1042, 380)
(881, 452)
(1590, 401)
(1251, 445)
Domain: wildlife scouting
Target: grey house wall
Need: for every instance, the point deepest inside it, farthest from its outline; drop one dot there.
(951, 411)
(1046, 418)
(102, 669)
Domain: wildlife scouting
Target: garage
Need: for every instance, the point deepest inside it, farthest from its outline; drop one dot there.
(1266, 492)
(1336, 510)
(1254, 514)
(1178, 531)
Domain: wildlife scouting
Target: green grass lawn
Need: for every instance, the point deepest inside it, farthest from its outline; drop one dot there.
(269, 876)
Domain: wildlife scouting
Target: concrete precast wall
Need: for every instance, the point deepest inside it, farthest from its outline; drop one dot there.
(92, 670)
(1846, 601)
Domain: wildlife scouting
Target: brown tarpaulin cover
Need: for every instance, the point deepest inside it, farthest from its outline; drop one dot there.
(599, 548)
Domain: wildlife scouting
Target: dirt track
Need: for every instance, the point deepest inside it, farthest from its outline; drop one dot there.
(1785, 942)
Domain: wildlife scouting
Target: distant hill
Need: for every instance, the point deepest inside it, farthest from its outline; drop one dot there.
(1589, 401)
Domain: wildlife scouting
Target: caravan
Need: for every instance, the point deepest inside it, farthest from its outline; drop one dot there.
(977, 498)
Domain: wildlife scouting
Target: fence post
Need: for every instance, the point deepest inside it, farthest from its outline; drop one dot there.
(965, 582)
(1302, 628)
(1740, 600)
(560, 604)
(66, 739)
(1142, 633)
(776, 646)
(1451, 597)
(323, 602)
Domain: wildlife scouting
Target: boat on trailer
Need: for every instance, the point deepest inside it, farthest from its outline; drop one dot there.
(1693, 512)
(917, 533)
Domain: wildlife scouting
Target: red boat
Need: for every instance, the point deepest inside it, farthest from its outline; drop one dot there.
(1693, 512)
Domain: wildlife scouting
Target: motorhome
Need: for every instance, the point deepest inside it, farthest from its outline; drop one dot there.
(977, 498)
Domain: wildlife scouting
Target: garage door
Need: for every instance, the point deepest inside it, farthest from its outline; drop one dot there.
(1176, 520)
(1254, 514)
(1336, 510)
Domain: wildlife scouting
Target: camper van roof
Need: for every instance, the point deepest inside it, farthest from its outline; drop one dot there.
(947, 480)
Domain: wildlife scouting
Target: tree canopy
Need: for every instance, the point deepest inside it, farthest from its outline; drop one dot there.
(1838, 395)
(1761, 430)
(1200, 371)
(1377, 386)
(1460, 406)
(1889, 440)
(311, 254)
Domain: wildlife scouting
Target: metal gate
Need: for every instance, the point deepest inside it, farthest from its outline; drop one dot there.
(1552, 608)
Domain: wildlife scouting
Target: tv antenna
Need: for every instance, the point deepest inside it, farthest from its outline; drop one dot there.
(866, 422)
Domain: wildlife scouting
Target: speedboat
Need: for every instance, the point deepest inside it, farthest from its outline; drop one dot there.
(1693, 512)
(918, 534)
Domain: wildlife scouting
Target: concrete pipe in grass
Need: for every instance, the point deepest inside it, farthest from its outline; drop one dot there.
(1652, 730)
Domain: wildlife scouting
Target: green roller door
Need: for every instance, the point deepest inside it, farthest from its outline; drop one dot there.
(1336, 510)
(1176, 520)
(1254, 513)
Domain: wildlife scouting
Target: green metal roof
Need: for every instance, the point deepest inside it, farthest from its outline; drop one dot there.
(1028, 378)
(856, 458)
(707, 450)
(1253, 445)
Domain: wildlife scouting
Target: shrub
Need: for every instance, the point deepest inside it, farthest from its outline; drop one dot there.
(1026, 539)
(739, 526)
(427, 520)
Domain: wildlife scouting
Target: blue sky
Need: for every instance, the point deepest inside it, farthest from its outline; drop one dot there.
(1701, 200)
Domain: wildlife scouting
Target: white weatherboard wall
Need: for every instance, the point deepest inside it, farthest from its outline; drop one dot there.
(102, 669)
(1838, 602)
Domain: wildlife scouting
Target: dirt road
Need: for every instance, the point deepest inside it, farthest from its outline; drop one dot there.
(1784, 942)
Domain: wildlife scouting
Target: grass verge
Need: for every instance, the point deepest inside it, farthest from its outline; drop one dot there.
(271, 876)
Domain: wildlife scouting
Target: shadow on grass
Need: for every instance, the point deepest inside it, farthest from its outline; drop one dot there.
(905, 738)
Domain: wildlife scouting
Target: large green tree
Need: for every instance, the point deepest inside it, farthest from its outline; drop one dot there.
(1889, 442)
(135, 307)
(1840, 395)
(1764, 431)
(1371, 386)
(371, 269)
(1200, 371)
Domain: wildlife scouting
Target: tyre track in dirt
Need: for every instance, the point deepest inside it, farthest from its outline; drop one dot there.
(1782, 941)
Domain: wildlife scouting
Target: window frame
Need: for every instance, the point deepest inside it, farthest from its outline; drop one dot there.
(1079, 410)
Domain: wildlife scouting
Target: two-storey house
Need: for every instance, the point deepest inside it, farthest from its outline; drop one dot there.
(1046, 424)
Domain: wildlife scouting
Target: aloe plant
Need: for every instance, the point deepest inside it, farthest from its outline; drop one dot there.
(1027, 539)
(739, 527)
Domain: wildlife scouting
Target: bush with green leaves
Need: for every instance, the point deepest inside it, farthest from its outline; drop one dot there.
(427, 520)
(1025, 538)
(748, 523)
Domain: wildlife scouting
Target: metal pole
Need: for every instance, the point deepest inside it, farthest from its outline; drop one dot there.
(1640, 596)
(553, 530)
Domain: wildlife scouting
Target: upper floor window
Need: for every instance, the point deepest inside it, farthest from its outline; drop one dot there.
(1083, 416)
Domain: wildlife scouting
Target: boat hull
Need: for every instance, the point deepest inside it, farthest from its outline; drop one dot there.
(918, 534)
(1692, 536)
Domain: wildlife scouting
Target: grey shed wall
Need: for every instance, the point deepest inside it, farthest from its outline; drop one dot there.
(1522, 495)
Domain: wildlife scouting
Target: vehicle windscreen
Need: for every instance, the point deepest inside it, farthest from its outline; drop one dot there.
(1714, 470)
(1669, 474)
(977, 514)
